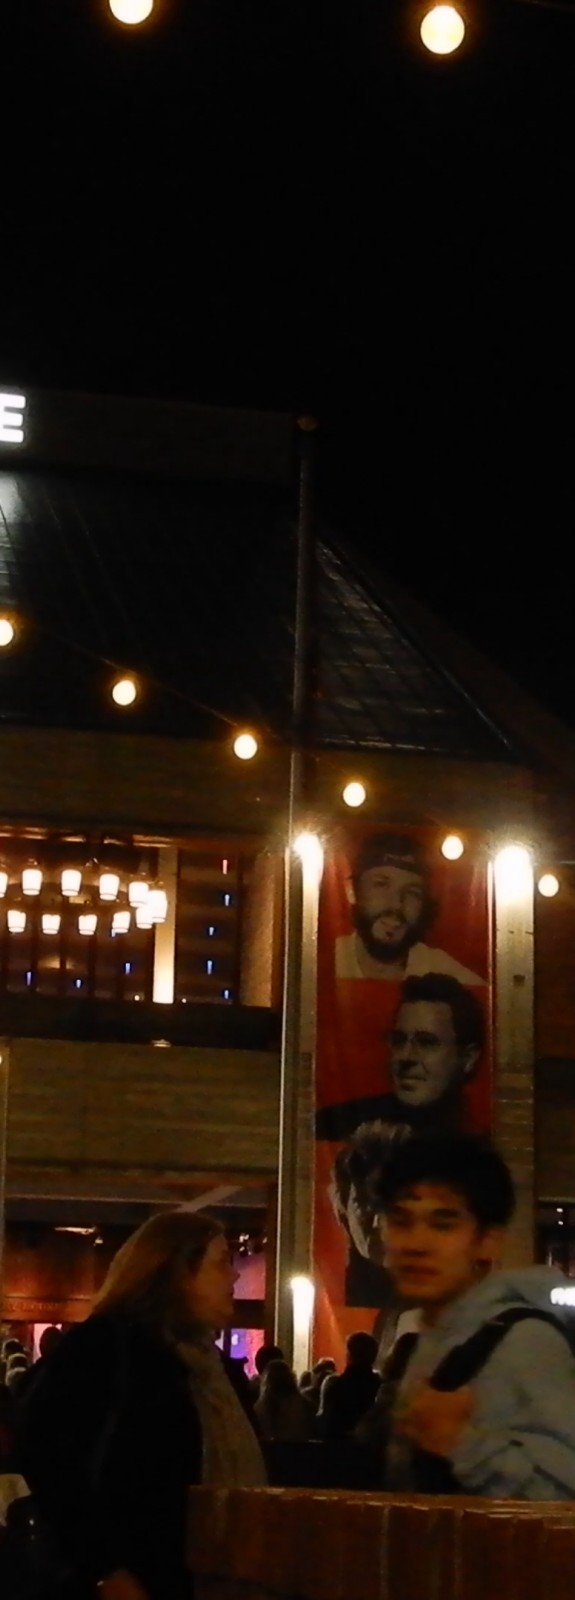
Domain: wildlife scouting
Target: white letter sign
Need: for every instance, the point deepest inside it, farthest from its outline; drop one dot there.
(12, 408)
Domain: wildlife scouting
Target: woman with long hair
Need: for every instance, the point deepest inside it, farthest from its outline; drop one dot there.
(136, 1405)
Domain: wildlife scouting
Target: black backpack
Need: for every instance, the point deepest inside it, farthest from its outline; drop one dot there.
(433, 1474)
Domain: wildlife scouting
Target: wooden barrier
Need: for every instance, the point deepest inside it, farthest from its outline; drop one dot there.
(301, 1544)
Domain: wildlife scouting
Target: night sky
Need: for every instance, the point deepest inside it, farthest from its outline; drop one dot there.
(289, 204)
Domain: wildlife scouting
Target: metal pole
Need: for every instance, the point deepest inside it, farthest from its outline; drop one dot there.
(296, 1081)
(4, 1090)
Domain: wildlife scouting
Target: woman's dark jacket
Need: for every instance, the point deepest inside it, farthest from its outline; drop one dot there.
(108, 1441)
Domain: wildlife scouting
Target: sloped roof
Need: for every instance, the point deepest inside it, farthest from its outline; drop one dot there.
(192, 587)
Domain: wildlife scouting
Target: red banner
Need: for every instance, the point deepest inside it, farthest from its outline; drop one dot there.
(403, 1042)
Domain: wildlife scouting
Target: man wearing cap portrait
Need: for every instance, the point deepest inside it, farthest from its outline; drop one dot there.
(392, 910)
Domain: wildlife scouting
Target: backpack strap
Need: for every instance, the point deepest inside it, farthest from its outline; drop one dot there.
(463, 1363)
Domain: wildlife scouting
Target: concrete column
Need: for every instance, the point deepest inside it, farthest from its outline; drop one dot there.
(513, 1123)
(165, 932)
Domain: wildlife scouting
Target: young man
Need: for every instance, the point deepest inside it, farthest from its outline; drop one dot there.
(510, 1430)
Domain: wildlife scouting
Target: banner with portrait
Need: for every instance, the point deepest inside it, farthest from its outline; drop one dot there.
(403, 1042)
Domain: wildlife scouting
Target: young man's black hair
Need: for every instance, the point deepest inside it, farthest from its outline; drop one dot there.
(469, 1165)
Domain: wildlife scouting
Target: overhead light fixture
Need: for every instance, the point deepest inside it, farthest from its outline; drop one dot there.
(138, 890)
(71, 882)
(548, 885)
(124, 691)
(354, 794)
(87, 923)
(51, 922)
(157, 903)
(121, 922)
(109, 885)
(16, 921)
(144, 917)
(245, 746)
(31, 879)
(442, 30)
(3, 882)
(452, 847)
(6, 632)
(131, 12)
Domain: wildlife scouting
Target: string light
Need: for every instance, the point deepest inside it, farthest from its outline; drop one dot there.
(354, 794)
(452, 847)
(124, 691)
(442, 30)
(6, 632)
(548, 885)
(245, 746)
(131, 12)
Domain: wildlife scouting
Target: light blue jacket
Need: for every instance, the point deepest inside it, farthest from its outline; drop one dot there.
(521, 1441)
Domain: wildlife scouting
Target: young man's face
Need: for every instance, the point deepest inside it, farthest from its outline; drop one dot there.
(433, 1245)
(426, 1060)
(389, 909)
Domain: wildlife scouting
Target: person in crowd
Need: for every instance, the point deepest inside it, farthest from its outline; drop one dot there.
(392, 909)
(10, 1347)
(134, 1406)
(262, 1358)
(17, 1367)
(319, 1371)
(345, 1397)
(502, 1424)
(50, 1341)
(282, 1411)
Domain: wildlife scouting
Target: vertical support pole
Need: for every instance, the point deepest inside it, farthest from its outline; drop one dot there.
(514, 1039)
(164, 976)
(302, 876)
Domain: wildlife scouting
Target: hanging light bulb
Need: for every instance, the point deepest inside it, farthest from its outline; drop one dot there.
(143, 916)
(32, 878)
(442, 30)
(16, 921)
(3, 882)
(245, 746)
(51, 922)
(124, 691)
(109, 885)
(354, 793)
(87, 923)
(452, 847)
(131, 11)
(138, 890)
(157, 902)
(6, 632)
(548, 885)
(121, 922)
(71, 882)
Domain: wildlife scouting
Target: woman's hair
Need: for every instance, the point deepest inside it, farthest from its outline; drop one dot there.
(277, 1379)
(143, 1280)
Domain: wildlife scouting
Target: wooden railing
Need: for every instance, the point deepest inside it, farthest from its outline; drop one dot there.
(289, 1544)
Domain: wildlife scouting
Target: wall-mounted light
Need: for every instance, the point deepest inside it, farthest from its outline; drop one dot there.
(245, 746)
(309, 849)
(548, 885)
(452, 847)
(303, 1297)
(354, 794)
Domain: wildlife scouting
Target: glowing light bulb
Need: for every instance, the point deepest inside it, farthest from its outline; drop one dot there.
(109, 885)
(87, 923)
(124, 691)
(442, 30)
(16, 921)
(6, 632)
(548, 885)
(71, 882)
(452, 847)
(245, 746)
(51, 922)
(354, 794)
(121, 922)
(3, 882)
(131, 11)
(513, 874)
(138, 890)
(31, 879)
(144, 917)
